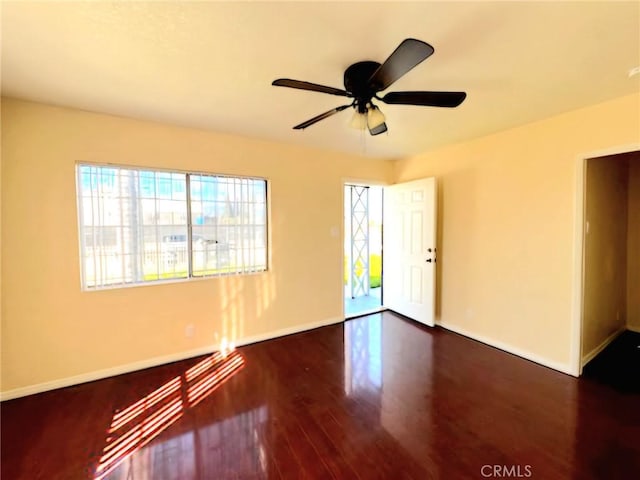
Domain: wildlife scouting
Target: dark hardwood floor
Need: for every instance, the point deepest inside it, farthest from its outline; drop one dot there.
(377, 397)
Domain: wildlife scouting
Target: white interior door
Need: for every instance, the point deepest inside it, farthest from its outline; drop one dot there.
(410, 249)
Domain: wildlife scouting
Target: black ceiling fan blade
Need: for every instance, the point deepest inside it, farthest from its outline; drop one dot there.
(429, 99)
(379, 129)
(314, 87)
(408, 54)
(322, 116)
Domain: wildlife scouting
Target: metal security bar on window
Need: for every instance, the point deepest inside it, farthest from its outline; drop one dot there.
(228, 229)
(140, 226)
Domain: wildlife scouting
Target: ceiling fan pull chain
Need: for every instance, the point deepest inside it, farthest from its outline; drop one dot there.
(363, 142)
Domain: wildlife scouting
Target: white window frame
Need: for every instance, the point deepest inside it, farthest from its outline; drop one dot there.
(190, 275)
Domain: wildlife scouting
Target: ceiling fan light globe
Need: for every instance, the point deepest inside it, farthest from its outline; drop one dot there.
(358, 121)
(375, 117)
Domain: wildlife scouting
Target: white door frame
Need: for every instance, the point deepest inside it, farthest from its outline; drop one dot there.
(578, 251)
(353, 181)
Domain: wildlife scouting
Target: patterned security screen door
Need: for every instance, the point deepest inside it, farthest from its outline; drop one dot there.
(358, 229)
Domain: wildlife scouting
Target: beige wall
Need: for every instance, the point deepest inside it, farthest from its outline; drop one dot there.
(506, 243)
(1, 207)
(633, 246)
(51, 330)
(507, 209)
(605, 252)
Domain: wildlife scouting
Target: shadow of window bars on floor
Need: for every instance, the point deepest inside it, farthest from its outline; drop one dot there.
(135, 426)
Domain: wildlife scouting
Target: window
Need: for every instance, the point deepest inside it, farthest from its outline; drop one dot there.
(140, 225)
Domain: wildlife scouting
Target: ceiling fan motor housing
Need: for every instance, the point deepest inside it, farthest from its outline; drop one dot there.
(356, 82)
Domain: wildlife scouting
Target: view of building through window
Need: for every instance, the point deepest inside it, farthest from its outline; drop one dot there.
(146, 225)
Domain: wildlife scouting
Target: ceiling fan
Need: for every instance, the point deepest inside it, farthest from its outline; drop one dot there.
(363, 81)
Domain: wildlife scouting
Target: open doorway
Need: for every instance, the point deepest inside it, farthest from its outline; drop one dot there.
(610, 340)
(362, 249)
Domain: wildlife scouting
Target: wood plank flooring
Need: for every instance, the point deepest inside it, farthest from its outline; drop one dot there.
(379, 397)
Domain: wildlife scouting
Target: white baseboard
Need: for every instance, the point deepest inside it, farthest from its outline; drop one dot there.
(287, 331)
(156, 361)
(590, 356)
(545, 362)
(100, 374)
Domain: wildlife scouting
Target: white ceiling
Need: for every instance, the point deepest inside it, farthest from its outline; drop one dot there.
(210, 65)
